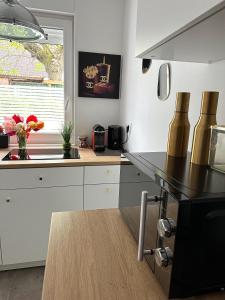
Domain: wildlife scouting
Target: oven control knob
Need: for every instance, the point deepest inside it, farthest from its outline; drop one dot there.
(163, 257)
(166, 227)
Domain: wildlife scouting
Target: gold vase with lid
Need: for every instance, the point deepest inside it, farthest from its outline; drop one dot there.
(179, 127)
(202, 131)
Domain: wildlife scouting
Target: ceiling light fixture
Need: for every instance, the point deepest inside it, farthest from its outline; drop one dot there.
(18, 23)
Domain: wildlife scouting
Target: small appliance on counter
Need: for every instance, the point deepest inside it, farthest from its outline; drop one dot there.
(176, 213)
(4, 141)
(217, 148)
(114, 137)
(98, 138)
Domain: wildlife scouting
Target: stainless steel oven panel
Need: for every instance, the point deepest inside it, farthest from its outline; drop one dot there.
(131, 187)
(166, 241)
(130, 173)
(130, 202)
(152, 217)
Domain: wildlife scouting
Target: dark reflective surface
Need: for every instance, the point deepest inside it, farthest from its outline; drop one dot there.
(192, 181)
(168, 209)
(131, 187)
(42, 154)
(198, 244)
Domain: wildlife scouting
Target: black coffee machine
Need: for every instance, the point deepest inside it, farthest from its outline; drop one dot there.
(98, 138)
(115, 137)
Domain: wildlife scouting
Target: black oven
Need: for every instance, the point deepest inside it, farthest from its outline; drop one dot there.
(183, 241)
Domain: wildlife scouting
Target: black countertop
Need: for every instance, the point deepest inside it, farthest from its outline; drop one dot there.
(180, 176)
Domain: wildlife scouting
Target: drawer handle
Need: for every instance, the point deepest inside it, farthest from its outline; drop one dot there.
(145, 199)
(138, 174)
(8, 200)
(40, 178)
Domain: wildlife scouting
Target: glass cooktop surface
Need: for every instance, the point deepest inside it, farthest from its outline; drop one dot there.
(42, 154)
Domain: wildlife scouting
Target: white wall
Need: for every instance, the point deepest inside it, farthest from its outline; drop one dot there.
(98, 28)
(140, 106)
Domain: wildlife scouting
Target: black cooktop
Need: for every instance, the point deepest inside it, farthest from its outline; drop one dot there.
(42, 154)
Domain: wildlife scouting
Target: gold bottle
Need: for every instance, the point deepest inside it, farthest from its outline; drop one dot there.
(202, 132)
(179, 127)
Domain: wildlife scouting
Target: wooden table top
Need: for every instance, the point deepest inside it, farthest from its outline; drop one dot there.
(93, 256)
(87, 158)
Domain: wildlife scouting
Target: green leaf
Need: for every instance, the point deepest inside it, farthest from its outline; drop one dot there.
(39, 67)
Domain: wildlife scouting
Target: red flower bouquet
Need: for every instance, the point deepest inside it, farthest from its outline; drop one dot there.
(15, 125)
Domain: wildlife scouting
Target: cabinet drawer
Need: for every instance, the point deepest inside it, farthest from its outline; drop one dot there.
(41, 177)
(102, 174)
(101, 196)
(130, 173)
(25, 217)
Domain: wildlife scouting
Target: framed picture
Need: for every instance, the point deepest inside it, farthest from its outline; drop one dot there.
(99, 75)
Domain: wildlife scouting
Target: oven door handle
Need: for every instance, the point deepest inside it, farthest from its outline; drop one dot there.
(145, 199)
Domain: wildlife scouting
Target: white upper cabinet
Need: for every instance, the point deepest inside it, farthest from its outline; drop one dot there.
(158, 20)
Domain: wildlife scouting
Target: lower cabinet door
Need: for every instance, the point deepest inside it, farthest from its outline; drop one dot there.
(25, 217)
(101, 196)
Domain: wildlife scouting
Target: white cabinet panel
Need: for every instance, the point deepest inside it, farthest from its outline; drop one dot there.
(101, 174)
(25, 217)
(101, 196)
(40, 177)
(157, 19)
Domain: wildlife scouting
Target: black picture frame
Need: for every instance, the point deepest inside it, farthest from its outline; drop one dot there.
(99, 75)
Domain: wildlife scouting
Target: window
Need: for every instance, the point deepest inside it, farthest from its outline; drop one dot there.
(33, 76)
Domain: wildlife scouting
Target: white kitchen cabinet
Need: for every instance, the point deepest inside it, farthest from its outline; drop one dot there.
(40, 177)
(157, 19)
(101, 186)
(101, 174)
(101, 196)
(29, 196)
(25, 216)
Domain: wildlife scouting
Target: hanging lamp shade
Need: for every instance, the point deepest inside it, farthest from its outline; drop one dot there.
(18, 23)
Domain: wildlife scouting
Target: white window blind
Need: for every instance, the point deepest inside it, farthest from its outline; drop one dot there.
(32, 80)
(47, 103)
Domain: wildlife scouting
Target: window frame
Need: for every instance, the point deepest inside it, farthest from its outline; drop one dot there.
(66, 23)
